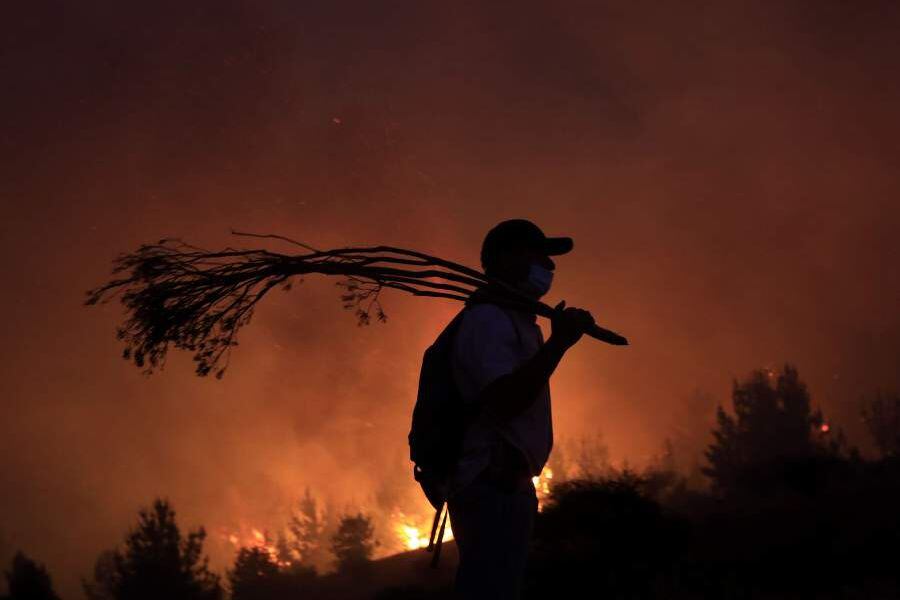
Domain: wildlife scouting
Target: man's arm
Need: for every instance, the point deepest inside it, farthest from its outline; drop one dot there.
(509, 395)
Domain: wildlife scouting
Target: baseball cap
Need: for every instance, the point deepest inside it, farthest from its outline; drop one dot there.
(521, 232)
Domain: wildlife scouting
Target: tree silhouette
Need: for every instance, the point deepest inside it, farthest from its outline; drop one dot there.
(258, 576)
(773, 427)
(156, 562)
(307, 528)
(881, 415)
(27, 580)
(353, 543)
(583, 457)
(690, 432)
(591, 455)
(103, 586)
(255, 575)
(284, 553)
(661, 477)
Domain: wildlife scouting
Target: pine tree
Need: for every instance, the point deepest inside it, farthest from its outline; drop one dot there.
(307, 528)
(353, 543)
(27, 580)
(103, 586)
(591, 456)
(259, 575)
(254, 576)
(881, 414)
(156, 561)
(284, 552)
(772, 426)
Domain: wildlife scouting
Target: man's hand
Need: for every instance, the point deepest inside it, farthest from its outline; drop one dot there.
(509, 395)
(569, 324)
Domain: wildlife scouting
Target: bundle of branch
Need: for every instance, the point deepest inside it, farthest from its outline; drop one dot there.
(180, 294)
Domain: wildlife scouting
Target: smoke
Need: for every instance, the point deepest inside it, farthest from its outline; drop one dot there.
(727, 170)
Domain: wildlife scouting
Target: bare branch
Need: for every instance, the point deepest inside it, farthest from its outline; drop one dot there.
(194, 299)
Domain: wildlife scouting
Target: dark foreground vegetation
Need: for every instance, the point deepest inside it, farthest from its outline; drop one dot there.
(790, 511)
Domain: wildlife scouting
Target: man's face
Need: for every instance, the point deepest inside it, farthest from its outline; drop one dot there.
(513, 263)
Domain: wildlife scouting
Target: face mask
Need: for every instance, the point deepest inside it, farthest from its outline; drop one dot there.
(539, 280)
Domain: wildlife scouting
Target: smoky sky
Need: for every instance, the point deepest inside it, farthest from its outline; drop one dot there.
(728, 171)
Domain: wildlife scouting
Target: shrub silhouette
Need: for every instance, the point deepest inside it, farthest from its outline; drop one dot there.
(602, 538)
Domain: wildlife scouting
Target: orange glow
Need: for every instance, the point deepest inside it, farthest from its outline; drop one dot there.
(705, 230)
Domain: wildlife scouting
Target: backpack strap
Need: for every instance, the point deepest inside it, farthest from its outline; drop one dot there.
(435, 544)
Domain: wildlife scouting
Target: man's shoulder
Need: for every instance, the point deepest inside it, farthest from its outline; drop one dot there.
(485, 315)
(485, 310)
(484, 319)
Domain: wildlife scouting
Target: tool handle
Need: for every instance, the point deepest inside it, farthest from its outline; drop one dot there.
(605, 335)
(545, 310)
(596, 332)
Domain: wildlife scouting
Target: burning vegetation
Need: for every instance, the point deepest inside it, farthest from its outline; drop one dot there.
(787, 497)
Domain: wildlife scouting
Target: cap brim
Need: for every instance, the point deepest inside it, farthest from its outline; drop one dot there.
(558, 245)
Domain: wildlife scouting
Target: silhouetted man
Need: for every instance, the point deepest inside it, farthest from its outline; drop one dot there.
(502, 364)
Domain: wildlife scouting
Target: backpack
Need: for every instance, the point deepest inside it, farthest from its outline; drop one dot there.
(435, 437)
(439, 420)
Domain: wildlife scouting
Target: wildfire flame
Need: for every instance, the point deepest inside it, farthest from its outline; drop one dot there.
(256, 539)
(413, 532)
(542, 486)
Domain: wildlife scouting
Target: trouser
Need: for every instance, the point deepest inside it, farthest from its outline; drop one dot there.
(492, 526)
